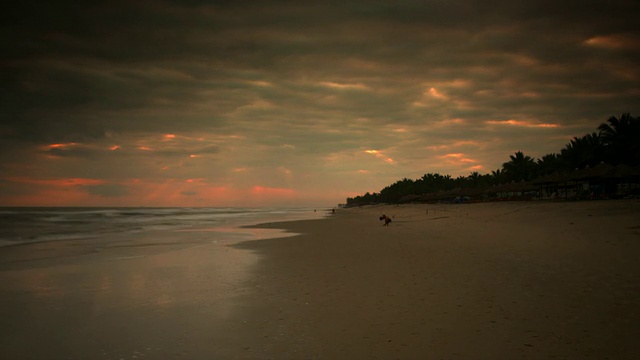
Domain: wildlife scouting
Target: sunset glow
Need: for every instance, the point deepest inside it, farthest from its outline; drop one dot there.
(433, 92)
(61, 146)
(613, 41)
(523, 123)
(379, 155)
(344, 86)
(57, 182)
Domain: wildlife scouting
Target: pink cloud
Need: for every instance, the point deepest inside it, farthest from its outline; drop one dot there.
(522, 123)
(457, 158)
(615, 41)
(380, 155)
(64, 182)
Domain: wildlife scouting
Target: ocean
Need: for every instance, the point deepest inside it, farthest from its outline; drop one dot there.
(31, 225)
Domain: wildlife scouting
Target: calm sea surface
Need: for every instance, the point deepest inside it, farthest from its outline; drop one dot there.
(26, 225)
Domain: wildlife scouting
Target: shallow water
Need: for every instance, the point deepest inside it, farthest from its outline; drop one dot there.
(128, 283)
(30, 225)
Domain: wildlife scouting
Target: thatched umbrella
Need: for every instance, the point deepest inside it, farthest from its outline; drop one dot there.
(599, 171)
(513, 187)
(625, 172)
(552, 179)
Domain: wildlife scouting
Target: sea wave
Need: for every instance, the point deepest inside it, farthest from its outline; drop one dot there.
(24, 225)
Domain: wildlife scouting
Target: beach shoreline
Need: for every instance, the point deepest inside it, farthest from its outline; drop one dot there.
(525, 280)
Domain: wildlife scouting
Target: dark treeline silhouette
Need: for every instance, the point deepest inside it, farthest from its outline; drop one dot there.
(615, 143)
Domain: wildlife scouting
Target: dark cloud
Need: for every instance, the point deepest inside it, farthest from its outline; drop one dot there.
(240, 79)
(173, 151)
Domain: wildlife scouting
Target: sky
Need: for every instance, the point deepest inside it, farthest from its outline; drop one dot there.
(296, 103)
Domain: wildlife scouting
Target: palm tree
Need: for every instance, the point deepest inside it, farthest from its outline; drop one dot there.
(548, 164)
(394, 192)
(497, 177)
(620, 138)
(475, 179)
(581, 152)
(520, 167)
(434, 182)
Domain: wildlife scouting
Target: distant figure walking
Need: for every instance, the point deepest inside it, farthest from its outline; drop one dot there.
(386, 219)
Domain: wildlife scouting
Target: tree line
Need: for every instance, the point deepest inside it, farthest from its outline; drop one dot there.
(615, 142)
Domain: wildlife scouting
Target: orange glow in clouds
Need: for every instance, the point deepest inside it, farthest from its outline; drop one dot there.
(52, 192)
(344, 86)
(522, 123)
(436, 94)
(171, 192)
(57, 182)
(62, 146)
(457, 158)
(379, 154)
(613, 42)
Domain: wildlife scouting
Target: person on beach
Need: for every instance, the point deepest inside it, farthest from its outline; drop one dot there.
(386, 219)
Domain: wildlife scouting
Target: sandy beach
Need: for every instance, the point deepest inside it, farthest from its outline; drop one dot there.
(516, 280)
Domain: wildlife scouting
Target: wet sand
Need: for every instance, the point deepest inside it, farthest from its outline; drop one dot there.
(527, 280)
(159, 295)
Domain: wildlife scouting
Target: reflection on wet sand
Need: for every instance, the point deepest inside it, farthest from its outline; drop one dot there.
(119, 300)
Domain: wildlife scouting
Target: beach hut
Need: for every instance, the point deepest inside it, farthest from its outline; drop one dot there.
(592, 183)
(625, 180)
(553, 186)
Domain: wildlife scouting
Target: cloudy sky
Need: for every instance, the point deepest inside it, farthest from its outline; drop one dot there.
(256, 103)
